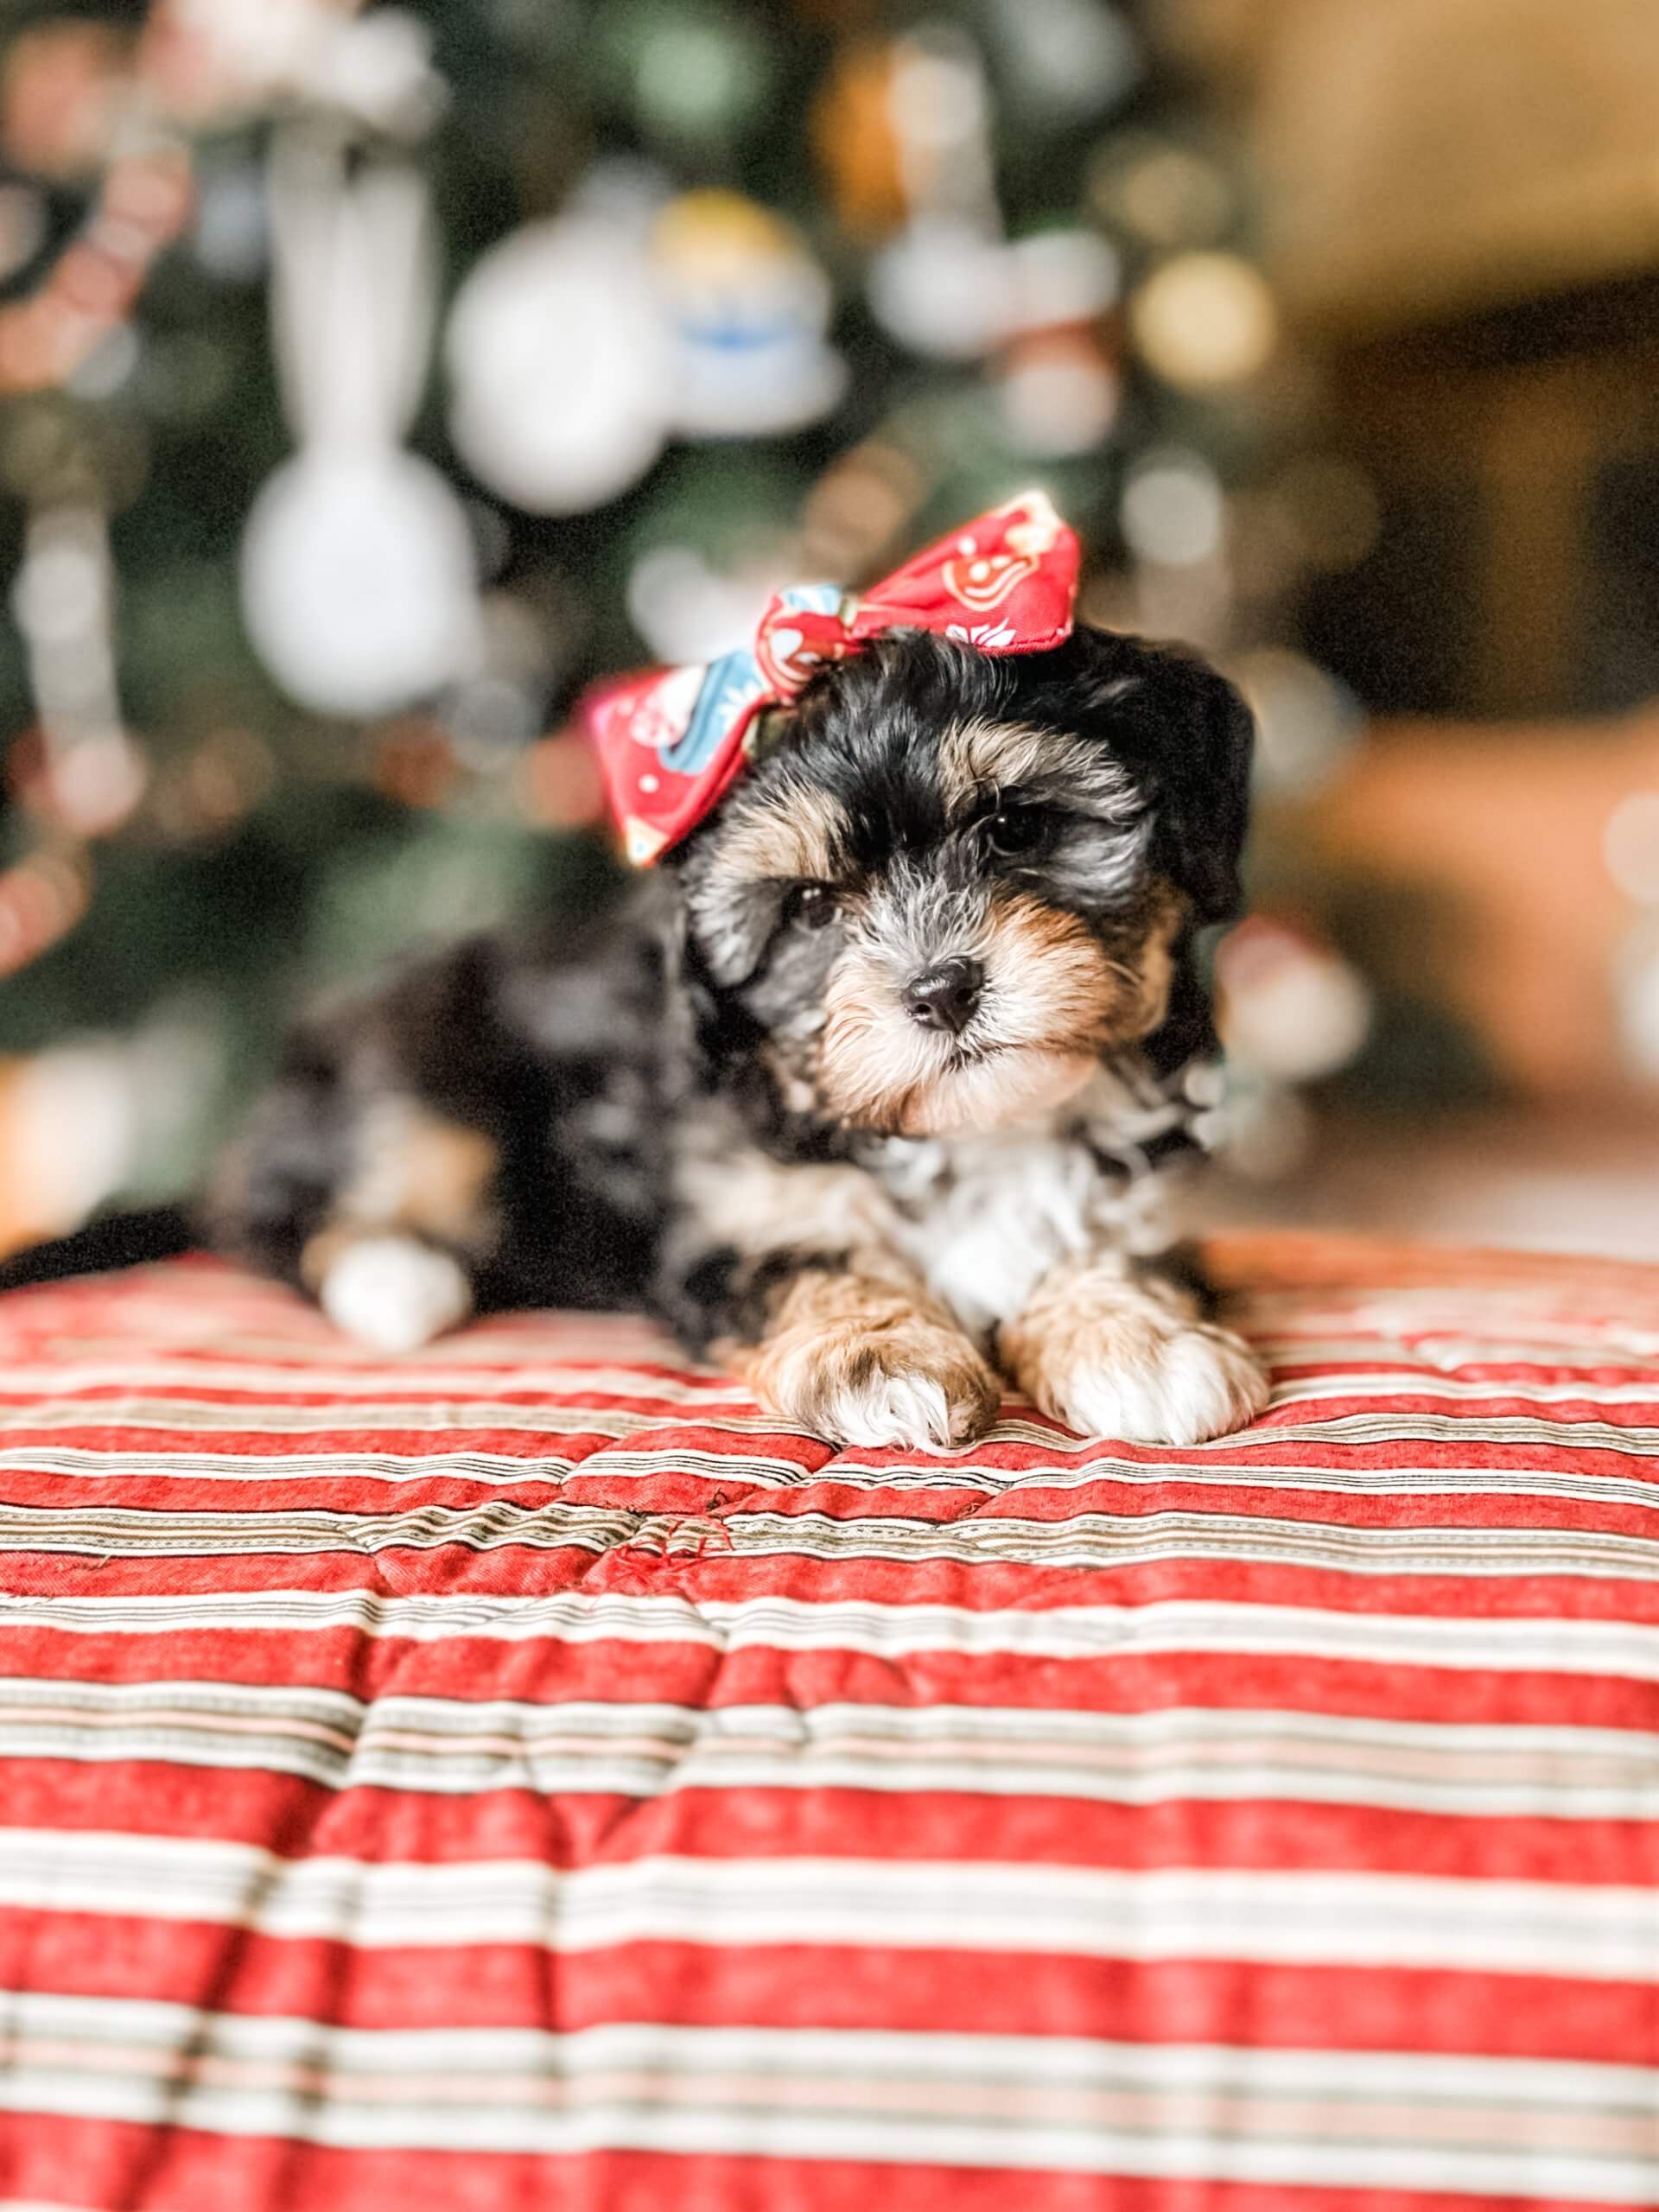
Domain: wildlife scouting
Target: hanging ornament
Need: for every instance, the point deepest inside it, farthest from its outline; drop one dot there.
(855, 143)
(942, 289)
(579, 347)
(212, 59)
(1059, 388)
(558, 363)
(746, 310)
(79, 771)
(67, 1129)
(358, 573)
(356, 580)
(943, 286)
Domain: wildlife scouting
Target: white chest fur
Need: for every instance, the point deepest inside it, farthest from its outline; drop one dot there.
(984, 1218)
(981, 1218)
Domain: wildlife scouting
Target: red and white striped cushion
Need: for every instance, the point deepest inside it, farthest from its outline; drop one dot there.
(524, 1776)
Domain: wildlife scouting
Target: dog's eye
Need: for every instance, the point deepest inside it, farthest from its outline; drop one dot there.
(811, 904)
(1019, 831)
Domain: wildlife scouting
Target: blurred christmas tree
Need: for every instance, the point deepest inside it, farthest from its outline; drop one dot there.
(373, 377)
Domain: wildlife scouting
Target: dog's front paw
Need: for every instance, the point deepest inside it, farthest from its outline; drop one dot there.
(911, 1382)
(1180, 1388)
(1119, 1363)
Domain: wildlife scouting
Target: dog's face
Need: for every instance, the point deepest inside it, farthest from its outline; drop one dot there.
(954, 883)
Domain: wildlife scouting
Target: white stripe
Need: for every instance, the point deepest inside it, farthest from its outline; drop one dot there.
(1413, 1381)
(1486, 1644)
(497, 1469)
(413, 1397)
(643, 1455)
(1201, 2112)
(1304, 1917)
(1083, 1539)
(644, 1749)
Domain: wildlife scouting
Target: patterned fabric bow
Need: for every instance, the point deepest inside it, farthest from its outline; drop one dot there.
(671, 743)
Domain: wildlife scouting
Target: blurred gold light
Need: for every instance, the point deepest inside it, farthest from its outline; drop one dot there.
(1204, 320)
(1166, 195)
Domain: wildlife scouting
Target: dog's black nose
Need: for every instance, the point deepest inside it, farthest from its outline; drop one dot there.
(944, 997)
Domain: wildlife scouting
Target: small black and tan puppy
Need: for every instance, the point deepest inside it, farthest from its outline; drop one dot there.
(870, 1093)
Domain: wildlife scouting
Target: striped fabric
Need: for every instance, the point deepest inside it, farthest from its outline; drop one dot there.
(524, 1776)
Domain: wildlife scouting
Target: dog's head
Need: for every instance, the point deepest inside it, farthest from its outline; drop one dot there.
(953, 883)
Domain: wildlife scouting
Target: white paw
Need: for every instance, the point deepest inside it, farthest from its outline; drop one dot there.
(394, 1294)
(914, 1410)
(1169, 1384)
(920, 1388)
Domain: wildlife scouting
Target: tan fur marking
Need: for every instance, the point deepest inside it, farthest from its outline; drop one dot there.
(1152, 959)
(1087, 1309)
(866, 1356)
(978, 756)
(759, 1205)
(1066, 985)
(417, 1172)
(791, 835)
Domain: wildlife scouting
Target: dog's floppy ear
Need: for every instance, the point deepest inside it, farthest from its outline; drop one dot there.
(1190, 735)
(1207, 786)
(710, 1027)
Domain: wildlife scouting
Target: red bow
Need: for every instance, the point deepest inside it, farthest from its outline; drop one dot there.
(671, 743)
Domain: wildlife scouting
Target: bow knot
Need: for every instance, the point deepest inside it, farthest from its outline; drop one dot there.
(671, 743)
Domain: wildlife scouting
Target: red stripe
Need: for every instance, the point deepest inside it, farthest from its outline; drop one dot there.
(574, 1828)
(1243, 2004)
(97, 2165)
(542, 1670)
(659, 1486)
(701, 1571)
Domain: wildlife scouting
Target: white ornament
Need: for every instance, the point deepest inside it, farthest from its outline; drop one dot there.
(944, 287)
(360, 584)
(358, 580)
(747, 309)
(557, 358)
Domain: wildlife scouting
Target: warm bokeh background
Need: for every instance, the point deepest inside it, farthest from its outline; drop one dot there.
(372, 376)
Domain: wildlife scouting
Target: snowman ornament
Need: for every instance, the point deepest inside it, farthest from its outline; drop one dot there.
(358, 577)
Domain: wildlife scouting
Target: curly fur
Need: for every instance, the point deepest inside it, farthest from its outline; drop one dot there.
(724, 1108)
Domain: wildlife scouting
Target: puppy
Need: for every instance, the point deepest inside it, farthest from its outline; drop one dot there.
(871, 1092)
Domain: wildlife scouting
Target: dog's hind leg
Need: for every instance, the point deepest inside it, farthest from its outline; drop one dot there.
(394, 1264)
(383, 1208)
